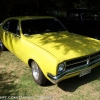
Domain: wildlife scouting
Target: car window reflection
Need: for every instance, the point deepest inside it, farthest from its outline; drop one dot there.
(38, 26)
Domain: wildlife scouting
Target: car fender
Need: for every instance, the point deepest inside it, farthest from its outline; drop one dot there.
(47, 62)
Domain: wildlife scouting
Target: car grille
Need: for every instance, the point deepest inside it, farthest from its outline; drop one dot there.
(87, 60)
(94, 57)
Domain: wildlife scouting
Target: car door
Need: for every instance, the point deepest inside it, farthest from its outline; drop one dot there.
(12, 36)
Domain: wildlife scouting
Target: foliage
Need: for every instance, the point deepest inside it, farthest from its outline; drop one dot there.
(42, 7)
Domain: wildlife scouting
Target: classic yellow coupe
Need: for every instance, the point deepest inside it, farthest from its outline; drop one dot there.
(45, 45)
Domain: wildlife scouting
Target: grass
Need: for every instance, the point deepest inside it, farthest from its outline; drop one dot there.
(16, 80)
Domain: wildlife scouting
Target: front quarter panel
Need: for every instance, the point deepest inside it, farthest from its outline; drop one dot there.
(46, 61)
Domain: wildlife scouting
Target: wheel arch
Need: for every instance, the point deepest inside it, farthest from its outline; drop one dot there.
(29, 62)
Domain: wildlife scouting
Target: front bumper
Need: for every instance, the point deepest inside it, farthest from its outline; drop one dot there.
(73, 72)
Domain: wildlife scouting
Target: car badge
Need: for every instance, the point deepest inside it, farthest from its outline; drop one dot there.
(88, 60)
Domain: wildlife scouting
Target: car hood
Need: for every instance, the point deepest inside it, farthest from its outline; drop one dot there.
(64, 45)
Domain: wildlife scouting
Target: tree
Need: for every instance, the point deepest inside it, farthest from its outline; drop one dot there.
(1, 10)
(42, 7)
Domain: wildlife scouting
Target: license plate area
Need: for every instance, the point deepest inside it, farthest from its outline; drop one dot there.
(85, 72)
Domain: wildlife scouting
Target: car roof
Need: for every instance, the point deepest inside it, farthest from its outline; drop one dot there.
(30, 17)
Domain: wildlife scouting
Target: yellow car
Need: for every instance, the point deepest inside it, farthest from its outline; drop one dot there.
(45, 45)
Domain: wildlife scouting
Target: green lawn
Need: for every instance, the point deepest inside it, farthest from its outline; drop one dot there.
(16, 82)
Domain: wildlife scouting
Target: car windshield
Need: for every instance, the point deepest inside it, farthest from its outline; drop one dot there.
(38, 26)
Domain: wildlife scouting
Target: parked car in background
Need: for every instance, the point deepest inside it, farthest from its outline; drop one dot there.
(44, 44)
(83, 21)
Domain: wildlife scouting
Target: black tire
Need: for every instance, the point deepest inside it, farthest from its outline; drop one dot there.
(2, 47)
(37, 74)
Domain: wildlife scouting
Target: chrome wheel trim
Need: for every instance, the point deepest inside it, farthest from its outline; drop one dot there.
(35, 70)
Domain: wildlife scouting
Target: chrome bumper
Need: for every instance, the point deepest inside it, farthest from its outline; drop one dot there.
(73, 72)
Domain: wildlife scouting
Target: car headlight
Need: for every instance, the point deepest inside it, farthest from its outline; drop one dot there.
(61, 67)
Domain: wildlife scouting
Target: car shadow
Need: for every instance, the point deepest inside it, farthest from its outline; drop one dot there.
(48, 84)
(7, 83)
(72, 84)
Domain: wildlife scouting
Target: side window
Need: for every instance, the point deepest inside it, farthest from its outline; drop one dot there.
(18, 30)
(6, 25)
(11, 26)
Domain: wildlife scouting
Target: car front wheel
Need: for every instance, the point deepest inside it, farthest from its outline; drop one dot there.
(37, 74)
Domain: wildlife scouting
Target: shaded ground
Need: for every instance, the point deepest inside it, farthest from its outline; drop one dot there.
(16, 80)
